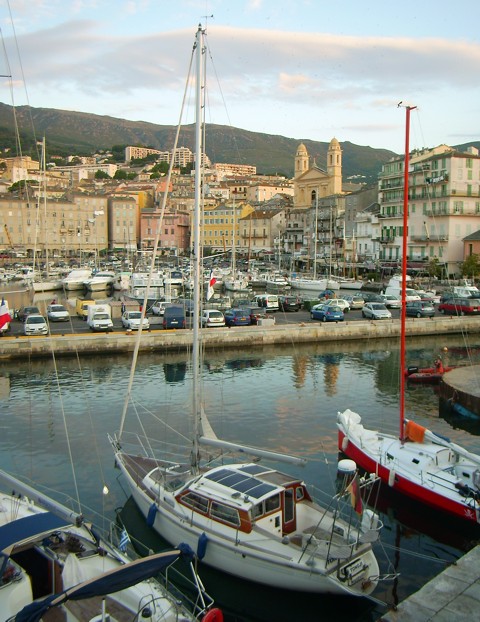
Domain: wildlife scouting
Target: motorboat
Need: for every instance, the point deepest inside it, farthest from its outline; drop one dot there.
(100, 281)
(76, 278)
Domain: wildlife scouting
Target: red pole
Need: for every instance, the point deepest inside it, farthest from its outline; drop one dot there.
(403, 312)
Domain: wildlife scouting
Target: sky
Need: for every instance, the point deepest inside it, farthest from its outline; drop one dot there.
(304, 69)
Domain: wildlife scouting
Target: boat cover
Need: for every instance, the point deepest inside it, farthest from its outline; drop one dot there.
(107, 583)
(28, 527)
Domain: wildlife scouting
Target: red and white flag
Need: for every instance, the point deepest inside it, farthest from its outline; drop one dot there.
(211, 283)
(4, 314)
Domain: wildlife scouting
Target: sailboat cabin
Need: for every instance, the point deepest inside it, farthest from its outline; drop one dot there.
(241, 495)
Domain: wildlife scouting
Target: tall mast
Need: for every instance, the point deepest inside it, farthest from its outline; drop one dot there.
(403, 311)
(199, 108)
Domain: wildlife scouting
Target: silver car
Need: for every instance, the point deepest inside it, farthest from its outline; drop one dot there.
(376, 311)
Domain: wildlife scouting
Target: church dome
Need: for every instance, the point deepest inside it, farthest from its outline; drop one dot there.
(334, 143)
(301, 150)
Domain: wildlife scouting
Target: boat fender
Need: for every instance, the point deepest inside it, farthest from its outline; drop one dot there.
(391, 478)
(202, 545)
(186, 551)
(214, 615)
(152, 512)
(344, 443)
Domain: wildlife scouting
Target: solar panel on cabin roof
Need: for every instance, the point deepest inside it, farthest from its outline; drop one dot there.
(241, 483)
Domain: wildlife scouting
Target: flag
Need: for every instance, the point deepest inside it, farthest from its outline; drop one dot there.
(211, 283)
(355, 497)
(123, 541)
(4, 314)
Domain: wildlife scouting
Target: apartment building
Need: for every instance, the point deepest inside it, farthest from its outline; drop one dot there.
(443, 204)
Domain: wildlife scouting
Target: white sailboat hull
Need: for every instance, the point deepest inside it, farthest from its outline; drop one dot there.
(314, 284)
(47, 286)
(256, 556)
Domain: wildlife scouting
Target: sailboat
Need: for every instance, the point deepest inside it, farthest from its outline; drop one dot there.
(419, 463)
(44, 282)
(51, 558)
(242, 516)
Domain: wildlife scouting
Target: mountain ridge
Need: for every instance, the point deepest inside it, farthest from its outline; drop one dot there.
(81, 133)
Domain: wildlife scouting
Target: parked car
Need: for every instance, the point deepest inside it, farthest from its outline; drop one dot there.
(268, 301)
(419, 308)
(255, 313)
(372, 297)
(57, 313)
(356, 301)
(327, 313)
(376, 311)
(174, 317)
(131, 320)
(339, 302)
(289, 303)
(158, 307)
(391, 301)
(212, 318)
(23, 312)
(35, 324)
(236, 317)
(460, 306)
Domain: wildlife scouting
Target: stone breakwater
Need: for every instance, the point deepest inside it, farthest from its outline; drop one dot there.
(247, 337)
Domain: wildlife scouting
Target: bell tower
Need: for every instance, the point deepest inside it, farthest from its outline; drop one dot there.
(301, 160)
(334, 166)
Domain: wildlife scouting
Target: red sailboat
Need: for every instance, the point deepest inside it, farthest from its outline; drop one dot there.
(419, 463)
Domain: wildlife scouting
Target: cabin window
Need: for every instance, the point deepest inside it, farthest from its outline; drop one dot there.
(225, 513)
(272, 504)
(299, 493)
(195, 501)
(257, 510)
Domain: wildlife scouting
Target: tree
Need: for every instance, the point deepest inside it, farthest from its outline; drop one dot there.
(102, 175)
(433, 268)
(471, 266)
(120, 174)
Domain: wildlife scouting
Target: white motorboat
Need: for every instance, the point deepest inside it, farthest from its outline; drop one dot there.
(242, 517)
(75, 279)
(100, 281)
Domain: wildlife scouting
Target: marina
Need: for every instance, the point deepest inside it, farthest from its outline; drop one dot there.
(296, 391)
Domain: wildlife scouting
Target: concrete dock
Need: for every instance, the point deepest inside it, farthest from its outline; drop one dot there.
(121, 341)
(452, 596)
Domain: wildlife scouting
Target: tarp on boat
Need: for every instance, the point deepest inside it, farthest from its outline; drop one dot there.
(108, 583)
(28, 527)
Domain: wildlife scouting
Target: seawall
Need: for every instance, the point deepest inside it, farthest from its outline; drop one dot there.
(248, 337)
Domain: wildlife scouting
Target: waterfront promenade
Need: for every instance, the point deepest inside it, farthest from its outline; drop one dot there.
(452, 596)
(243, 337)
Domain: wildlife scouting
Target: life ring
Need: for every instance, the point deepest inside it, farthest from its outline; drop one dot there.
(214, 615)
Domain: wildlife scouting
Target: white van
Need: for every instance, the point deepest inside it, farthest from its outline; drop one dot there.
(410, 294)
(268, 301)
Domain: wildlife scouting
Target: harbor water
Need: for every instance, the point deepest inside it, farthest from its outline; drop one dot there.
(59, 412)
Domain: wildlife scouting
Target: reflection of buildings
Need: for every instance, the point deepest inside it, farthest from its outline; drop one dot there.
(299, 370)
(330, 374)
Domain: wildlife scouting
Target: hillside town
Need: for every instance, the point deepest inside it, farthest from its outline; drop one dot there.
(93, 207)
